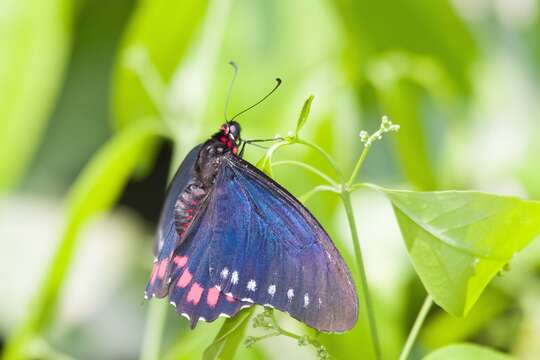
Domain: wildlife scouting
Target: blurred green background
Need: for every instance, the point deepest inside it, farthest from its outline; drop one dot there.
(461, 77)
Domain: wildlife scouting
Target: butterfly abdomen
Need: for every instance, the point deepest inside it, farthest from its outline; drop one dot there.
(187, 205)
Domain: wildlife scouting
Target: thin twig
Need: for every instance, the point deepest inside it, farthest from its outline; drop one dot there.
(363, 277)
(424, 310)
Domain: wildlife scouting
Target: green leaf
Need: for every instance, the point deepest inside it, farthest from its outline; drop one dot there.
(376, 27)
(467, 352)
(459, 240)
(401, 102)
(265, 164)
(443, 329)
(157, 39)
(303, 115)
(35, 45)
(96, 190)
(229, 337)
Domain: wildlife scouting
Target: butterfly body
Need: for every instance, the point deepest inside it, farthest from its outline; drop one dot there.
(230, 237)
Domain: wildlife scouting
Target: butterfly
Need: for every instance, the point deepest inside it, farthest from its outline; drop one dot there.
(230, 237)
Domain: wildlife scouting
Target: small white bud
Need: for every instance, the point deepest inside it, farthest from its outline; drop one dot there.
(290, 133)
(277, 136)
(363, 136)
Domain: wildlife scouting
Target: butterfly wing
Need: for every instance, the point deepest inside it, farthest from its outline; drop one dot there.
(257, 244)
(167, 238)
(192, 290)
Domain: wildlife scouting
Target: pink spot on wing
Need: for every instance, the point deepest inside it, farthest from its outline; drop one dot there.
(229, 297)
(162, 268)
(185, 279)
(213, 297)
(194, 294)
(180, 261)
(154, 273)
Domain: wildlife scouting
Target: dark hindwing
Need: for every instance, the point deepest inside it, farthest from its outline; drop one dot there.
(255, 243)
(167, 238)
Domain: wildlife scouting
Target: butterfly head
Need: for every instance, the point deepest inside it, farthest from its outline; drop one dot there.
(229, 134)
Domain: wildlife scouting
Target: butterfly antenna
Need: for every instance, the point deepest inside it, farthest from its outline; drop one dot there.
(278, 83)
(229, 92)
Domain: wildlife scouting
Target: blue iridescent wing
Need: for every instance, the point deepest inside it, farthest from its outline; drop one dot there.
(167, 238)
(191, 289)
(256, 243)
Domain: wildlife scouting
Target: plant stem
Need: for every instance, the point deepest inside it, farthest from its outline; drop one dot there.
(305, 197)
(363, 278)
(328, 158)
(153, 330)
(315, 171)
(358, 165)
(428, 302)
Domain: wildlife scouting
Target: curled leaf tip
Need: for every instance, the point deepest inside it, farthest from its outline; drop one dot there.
(304, 114)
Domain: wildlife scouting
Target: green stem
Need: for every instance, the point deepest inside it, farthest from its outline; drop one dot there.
(153, 331)
(416, 328)
(317, 172)
(305, 197)
(358, 165)
(363, 278)
(328, 158)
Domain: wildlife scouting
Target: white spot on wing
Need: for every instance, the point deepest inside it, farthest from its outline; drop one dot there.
(272, 290)
(306, 300)
(185, 315)
(224, 273)
(250, 300)
(290, 294)
(224, 315)
(251, 285)
(202, 318)
(234, 277)
(173, 303)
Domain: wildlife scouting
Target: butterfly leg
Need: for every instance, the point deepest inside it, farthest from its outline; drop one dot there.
(254, 143)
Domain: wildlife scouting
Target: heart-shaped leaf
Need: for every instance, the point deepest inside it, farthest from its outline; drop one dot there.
(467, 352)
(459, 240)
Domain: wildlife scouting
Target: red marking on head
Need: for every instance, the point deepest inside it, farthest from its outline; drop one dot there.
(223, 139)
(213, 297)
(154, 273)
(229, 297)
(162, 268)
(235, 150)
(180, 261)
(185, 279)
(229, 143)
(194, 294)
